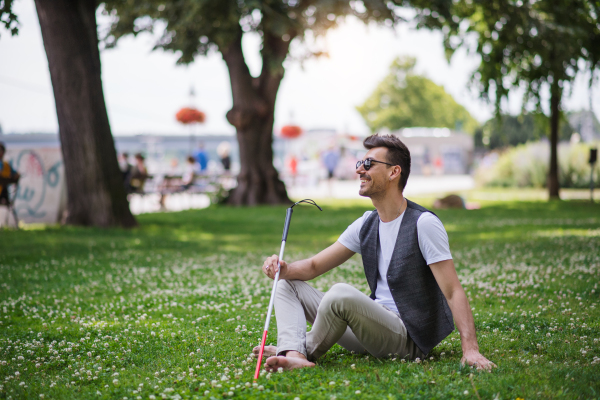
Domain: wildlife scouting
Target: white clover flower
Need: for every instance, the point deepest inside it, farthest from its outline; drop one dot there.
(280, 370)
(466, 392)
(357, 392)
(261, 388)
(332, 383)
(353, 366)
(206, 392)
(115, 382)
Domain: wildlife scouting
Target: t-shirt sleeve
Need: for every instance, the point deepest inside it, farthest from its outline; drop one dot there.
(351, 236)
(433, 239)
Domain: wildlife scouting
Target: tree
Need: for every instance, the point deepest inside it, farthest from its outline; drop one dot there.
(537, 45)
(404, 99)
(194, 28)
(95, 191)
(512, 130)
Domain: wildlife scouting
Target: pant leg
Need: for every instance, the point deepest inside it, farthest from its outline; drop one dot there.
(379, 330)
(296, 302)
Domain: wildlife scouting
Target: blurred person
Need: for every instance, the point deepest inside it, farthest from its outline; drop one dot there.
(189, 173)
(330, 158)
(416, 296)
(125, 168)
(201, 157)
(7, 176)
(292, 164)
(139, 174)
(223, 151)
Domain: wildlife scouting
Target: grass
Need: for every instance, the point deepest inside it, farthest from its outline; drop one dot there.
(172, 309)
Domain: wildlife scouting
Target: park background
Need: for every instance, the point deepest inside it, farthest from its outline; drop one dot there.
(171, 307)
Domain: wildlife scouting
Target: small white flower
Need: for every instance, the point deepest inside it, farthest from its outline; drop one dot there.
(280, 370)
(332, 383)
(357, 392)
(115, 382)
(466, 392)
(353, 366)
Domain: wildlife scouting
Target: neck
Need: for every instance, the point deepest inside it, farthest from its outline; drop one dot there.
(390, 206)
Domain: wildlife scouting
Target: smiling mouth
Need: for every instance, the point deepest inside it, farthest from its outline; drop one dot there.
(364, 179)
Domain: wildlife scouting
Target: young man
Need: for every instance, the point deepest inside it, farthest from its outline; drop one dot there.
(415, 292)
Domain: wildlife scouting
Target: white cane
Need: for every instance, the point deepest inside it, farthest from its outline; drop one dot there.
(288, 218)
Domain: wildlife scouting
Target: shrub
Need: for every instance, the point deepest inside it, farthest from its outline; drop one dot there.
(526, 165)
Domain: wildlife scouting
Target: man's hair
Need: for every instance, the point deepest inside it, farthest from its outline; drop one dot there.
(397, 154)
(2, 146)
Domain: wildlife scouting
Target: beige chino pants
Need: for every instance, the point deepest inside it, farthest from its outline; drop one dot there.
(343, 315)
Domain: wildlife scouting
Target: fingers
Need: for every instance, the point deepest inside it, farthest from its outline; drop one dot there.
(272, 265)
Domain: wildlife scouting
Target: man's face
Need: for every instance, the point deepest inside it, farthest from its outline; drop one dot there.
(377, 179)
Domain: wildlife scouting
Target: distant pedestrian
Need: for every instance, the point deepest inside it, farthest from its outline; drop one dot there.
(330, 158)
(125, 168)
(139, 174)
(202, 158)
(223, 151)
(7, 176)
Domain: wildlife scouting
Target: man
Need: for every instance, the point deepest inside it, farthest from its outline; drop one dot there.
(415, 291)
(7, 175)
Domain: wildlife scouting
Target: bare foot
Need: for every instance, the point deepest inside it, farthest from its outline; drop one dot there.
(287, 363)
(269, 351)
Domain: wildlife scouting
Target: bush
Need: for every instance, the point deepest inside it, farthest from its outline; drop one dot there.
(527, 166)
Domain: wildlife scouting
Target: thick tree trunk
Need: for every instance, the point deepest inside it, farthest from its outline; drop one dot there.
(95, 191)
(252, 115)
(555, 97)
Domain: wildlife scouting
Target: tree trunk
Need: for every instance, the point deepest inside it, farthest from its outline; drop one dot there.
(95, 191)
(252, 115)
(555, 97)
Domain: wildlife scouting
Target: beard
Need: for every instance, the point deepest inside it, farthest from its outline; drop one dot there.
(371, 188)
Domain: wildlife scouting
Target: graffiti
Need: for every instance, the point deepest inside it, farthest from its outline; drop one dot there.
(38, 192)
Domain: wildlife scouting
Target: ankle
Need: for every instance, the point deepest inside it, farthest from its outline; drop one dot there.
(294, 354)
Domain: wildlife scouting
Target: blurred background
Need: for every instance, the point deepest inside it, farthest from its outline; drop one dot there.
(370, 77)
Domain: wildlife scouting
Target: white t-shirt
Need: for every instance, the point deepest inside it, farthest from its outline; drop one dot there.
(433, 242)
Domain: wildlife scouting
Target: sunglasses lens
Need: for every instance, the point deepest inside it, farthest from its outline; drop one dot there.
(366, 164)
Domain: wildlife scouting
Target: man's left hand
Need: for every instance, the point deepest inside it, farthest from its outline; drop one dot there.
(475, 359)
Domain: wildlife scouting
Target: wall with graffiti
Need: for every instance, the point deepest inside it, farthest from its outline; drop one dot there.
(40, 196)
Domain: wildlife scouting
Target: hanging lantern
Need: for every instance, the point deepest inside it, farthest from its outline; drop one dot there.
(291, 131)
(188, 115)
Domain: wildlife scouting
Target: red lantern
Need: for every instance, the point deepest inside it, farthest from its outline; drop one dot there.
(291, 131)
(188, 115)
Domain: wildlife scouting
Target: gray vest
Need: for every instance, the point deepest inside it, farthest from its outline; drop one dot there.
(419, 299)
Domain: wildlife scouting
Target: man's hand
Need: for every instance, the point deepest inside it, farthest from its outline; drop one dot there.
(474, 358)
(270, 267)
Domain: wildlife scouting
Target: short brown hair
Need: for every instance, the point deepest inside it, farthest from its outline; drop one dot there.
(398, 153)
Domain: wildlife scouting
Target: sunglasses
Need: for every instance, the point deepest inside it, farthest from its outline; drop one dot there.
(367, 163)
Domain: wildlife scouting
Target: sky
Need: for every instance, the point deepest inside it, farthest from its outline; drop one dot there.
(144, 88)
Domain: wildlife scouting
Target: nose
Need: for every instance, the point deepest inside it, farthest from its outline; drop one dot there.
(361, 169)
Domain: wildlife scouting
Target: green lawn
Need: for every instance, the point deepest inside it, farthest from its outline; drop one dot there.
(172, 309)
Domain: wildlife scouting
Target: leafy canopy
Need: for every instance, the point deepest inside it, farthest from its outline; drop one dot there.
(8, 18)
(404, 99)
(528, 43)
(195, 27)
(512, 130)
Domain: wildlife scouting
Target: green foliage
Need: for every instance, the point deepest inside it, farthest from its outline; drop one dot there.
(8, 18)
(404, 99)
(526, 166)
(509, 130)
(526, 43)
(194, 28)
(185, 292)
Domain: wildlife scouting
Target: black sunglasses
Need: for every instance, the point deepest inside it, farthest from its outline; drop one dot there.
(367, 163)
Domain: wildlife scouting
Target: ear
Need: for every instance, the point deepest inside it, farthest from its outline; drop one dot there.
(395, 173)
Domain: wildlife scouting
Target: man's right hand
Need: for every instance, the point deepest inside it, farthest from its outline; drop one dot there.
(270, 267)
